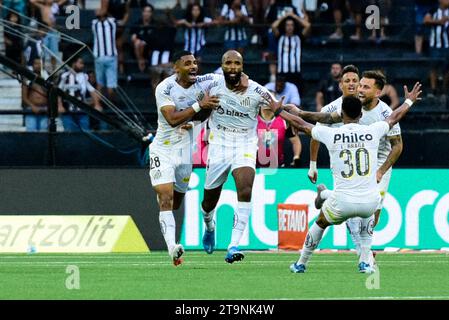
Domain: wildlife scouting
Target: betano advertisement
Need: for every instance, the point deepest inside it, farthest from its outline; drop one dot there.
(45, 233)
(415, 213)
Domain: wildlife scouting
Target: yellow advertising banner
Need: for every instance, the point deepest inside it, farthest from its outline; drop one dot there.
(77, 234)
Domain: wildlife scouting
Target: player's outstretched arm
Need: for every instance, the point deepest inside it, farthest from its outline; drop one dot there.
(294, 121)
(321, 117)
(410, 98)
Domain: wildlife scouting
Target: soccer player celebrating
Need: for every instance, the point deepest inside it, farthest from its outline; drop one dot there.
(349, 81)
(179, 98)
(232, 148)
(390, 147)
(353, 152)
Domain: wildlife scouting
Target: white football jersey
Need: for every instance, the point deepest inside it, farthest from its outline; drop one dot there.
(170, 93)
(378, 113)
(234, 122)
(334, 106)
(353, 156)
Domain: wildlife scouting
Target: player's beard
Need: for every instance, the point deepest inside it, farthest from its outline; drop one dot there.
(367, 102)
(233, 81)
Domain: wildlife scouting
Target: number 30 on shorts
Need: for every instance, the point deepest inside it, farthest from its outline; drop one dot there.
(154, 163)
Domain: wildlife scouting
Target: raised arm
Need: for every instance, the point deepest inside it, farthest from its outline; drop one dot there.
(410, 98)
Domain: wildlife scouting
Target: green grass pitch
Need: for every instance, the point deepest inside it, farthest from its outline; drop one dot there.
(261, 275)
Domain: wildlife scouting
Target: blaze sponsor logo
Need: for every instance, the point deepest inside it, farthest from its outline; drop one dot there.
(232, 113)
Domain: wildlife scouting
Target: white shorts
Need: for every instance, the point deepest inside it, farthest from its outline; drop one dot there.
(223, 159)
(337, 211)
(383, 187)
(170, 166)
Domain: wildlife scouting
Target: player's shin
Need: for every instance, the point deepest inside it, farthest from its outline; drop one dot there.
(354, 226)
(168, 228)
(241, 218)
(208, 218)
(366, 239)
(312, 240)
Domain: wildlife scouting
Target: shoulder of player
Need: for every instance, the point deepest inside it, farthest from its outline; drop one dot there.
(334, 106)
(384, 110)
(207, 77)
(165, 86)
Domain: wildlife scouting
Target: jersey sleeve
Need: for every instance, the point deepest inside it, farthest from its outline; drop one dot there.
(163, 97)
(396, 130)
(324, 109)
(381, 128)
(206, 81)
(322, 134)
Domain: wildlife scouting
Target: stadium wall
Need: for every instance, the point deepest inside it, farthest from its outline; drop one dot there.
(415, 213)
(113, 192)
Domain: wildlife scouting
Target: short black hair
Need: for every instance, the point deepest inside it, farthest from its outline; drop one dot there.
(177, 55)
(75, 59)
(378, 76)
(352, 107)
(349, 68)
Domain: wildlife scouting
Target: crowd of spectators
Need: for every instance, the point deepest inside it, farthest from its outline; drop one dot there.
(279, 27)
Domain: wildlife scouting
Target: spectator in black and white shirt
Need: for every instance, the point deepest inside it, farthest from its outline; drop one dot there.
(289, 35)
(76, 83)
(105, 51)
(195, 24)
(438, 20)
(234, 15)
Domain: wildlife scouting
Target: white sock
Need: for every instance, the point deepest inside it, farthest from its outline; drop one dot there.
(241, 218)
(354, 226)
(366, 238)
(312, 240)
(325, 194)
(168, 228)
(208, 218)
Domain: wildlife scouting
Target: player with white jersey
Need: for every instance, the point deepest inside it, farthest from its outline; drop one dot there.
(390, 147)
(349, 82)
(353, 152)
(179, 98)
(232, 148)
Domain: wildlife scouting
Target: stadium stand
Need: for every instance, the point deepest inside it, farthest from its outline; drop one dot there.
(395, 55)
